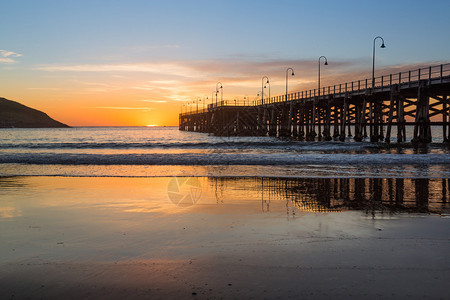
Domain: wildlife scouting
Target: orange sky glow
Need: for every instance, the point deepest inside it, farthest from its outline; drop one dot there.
(153, 94)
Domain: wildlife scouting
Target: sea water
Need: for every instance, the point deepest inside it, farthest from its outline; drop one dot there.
(166, 151)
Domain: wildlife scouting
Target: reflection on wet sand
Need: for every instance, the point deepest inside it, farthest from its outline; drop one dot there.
(115, 238)
(372, 195)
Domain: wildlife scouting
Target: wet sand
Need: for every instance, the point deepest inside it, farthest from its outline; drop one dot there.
(117, 238)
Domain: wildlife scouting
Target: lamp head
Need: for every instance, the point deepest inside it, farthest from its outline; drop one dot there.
(293, 73)
(326, 63)
(383, 46)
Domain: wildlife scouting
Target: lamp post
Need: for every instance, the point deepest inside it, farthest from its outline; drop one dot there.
(291, 106)
(269, 88)
(287, 73)
(373, 58)
(262, 87)
(325, 64)
(217, 91)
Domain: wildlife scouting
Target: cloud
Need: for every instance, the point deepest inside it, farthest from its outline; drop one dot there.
(154, 101)
(184, 80)
(6, 53)
(174, 69)
(123, 107)
(44, 88)
(7, 60)
(8, 56)
(196, 70)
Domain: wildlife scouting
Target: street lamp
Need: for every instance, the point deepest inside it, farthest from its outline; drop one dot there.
(287, 73)
(326, 64)
(262, 87)
(373, 58)
(269, 88)
(217, 91)
(265, 86)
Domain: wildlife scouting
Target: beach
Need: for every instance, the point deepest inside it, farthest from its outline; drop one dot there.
(155, 213)
(116, 237)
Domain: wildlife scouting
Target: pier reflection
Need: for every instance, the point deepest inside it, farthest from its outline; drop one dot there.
(371, 195)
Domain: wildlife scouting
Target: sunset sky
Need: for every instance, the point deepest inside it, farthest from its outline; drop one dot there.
(120, 63)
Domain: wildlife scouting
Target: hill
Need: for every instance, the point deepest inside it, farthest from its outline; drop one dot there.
(14, 114)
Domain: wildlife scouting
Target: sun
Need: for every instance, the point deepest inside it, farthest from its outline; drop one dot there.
(151, 125)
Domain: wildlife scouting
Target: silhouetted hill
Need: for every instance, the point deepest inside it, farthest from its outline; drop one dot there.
(14, 114)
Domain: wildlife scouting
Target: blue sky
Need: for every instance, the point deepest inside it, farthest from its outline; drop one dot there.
(57, 44)
(60, 31)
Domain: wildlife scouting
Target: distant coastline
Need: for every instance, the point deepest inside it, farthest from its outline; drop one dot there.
(16, 115)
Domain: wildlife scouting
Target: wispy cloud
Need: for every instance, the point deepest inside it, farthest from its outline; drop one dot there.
(44, 89)
(8, 56)
(154, 101)
(184, 80)
(174, 69)
(123, 107)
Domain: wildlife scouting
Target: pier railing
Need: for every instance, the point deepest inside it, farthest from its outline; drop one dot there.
(381, 83)
(221, 104)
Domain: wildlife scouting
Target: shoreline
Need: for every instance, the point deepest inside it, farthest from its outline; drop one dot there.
(240, 171)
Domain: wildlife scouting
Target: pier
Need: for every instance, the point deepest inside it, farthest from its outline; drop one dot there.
(358, 109)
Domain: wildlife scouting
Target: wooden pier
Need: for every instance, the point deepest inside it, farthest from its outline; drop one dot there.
(354, 109)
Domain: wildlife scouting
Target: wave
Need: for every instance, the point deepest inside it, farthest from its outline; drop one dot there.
(223, 159)
(281, 145)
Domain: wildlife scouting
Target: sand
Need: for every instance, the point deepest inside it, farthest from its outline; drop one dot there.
(115, 238)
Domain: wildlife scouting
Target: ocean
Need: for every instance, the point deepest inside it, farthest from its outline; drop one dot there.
(166, 151)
